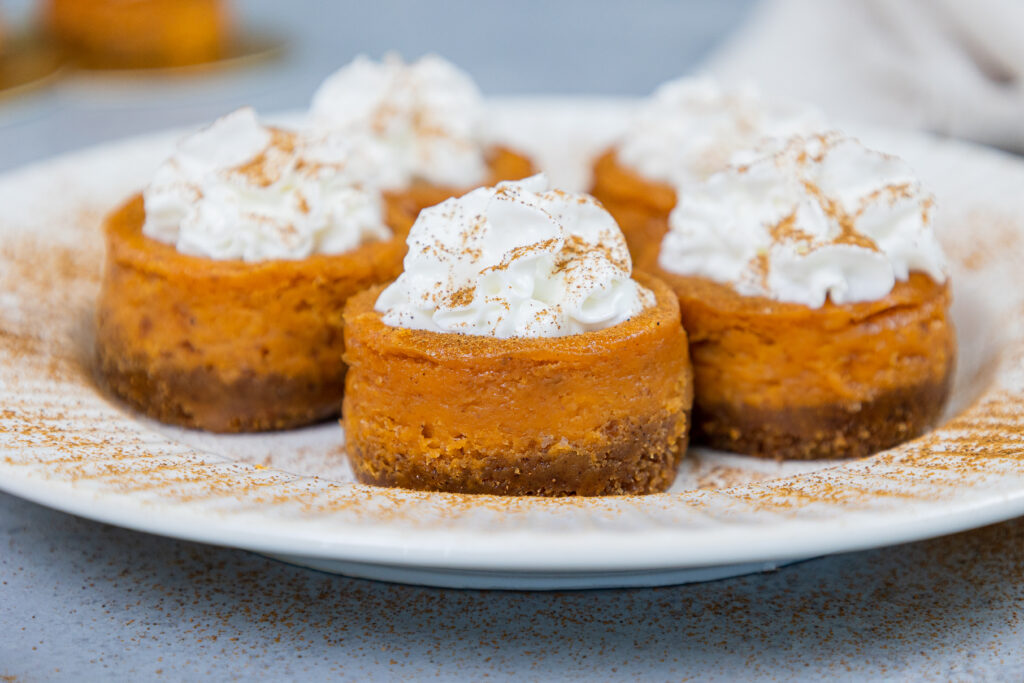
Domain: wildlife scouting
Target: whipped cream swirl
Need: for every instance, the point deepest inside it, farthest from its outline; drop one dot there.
(240, 190)
(824, 218)
(427, 115)
(516, 260)
(693, 127)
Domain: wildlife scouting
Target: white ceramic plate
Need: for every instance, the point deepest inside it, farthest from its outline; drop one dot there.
(65, 444)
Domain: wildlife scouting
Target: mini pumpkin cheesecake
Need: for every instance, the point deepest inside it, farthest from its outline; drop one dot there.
(816, 300)
(139, 34)
(427, 118)
(516, 355)
(221, 305)
(687, 130)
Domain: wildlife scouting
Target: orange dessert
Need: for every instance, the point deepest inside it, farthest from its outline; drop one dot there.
(686, 131)
(221, 306)
(538, 367)
(641, 206)
(426, 122)
(816, 301)
(140, 33)
(783, 380)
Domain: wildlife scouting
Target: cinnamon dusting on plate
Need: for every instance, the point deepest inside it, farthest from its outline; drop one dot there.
(57, 423)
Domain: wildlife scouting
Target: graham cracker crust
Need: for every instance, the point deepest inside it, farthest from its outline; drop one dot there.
(835, 430)
(200, 398)
(625, 457)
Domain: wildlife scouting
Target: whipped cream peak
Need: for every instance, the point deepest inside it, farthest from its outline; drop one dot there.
(693, 127)
(515, 260)
(427, 115)
(823, 218)
(229, 141)
(240, 190)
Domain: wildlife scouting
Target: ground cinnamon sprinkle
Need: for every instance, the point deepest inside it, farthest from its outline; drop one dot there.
(845, 220)
(460, 297)
(575, 250)
(521, 252)
(994, 235)
(266, 168)
(786, 230)
(848, 233)
(760, 268)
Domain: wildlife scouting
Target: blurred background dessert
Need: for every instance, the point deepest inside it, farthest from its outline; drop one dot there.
(948, 67)
(525, 56)
(25, 59)
(139, 33)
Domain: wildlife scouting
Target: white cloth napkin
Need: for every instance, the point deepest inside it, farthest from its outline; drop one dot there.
(950, 66)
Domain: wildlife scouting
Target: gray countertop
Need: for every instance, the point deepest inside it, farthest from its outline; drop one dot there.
(81, 600)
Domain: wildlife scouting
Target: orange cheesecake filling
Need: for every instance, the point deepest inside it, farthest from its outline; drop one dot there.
(771, 354)
(140, 33)
(640, 206)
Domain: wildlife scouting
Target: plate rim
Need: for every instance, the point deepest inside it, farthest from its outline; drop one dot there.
(542, 550)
